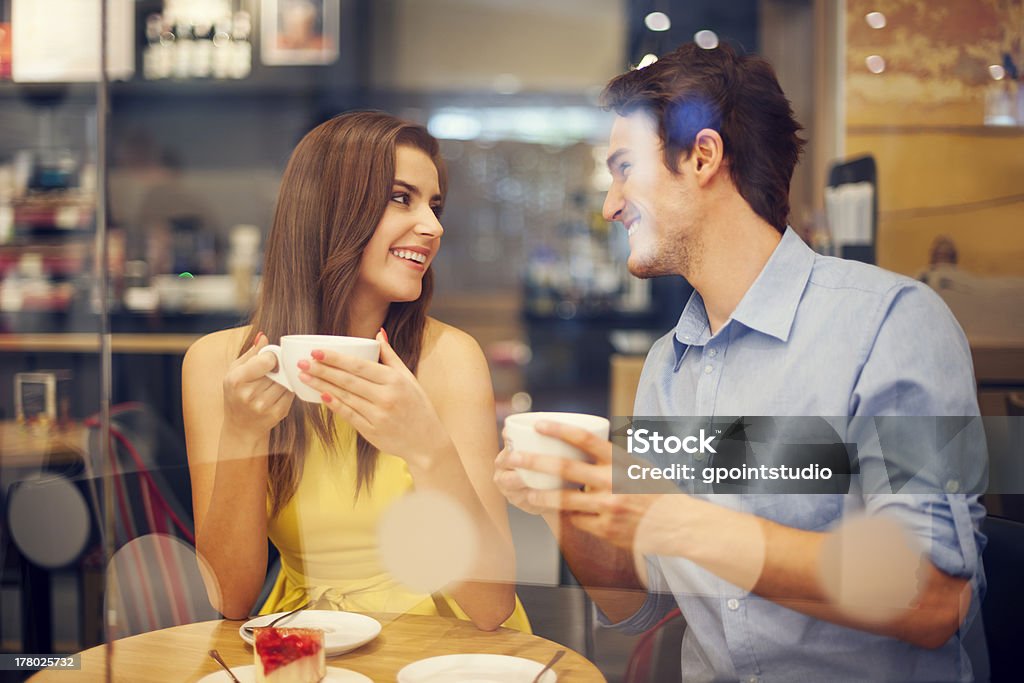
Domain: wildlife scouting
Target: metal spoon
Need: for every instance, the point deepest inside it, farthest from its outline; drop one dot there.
(547, 667)
(216, 657)
(252, 629)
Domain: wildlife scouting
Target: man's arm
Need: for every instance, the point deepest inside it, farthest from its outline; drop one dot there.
(790, 566)
(615, 581)
(844, 576)
(613, 577)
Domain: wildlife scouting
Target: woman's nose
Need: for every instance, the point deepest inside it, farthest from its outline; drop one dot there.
(429, 226)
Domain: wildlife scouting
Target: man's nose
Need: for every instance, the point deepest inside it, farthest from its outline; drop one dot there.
(613, 204)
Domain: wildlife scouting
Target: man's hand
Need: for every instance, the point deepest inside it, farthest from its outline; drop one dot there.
(595, 510)
(511, 484)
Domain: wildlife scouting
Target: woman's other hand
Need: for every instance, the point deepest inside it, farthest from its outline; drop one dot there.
(383, 401)
(254, 403)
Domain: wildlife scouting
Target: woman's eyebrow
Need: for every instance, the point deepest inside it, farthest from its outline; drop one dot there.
(415, 190)
(409, 186)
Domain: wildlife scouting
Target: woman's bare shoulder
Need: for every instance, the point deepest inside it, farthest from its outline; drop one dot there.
(217, 349)
(452, 362)
(454, 371)
(445, 343)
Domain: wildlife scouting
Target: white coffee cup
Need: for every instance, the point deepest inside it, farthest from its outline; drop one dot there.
(296, 347)
(520, 435)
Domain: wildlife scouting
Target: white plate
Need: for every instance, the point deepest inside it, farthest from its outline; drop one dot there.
(474, 669)
(343, 631)
(247, 674)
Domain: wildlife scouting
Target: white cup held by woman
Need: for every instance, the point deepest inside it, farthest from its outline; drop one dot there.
(296, 347)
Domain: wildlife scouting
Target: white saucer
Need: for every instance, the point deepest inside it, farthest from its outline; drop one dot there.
(247, 674)
(343, 631)
(474, 669)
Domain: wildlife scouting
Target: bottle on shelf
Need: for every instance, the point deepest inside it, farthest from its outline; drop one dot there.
(163, 63)
(1001, 95)
(223, 49)
(243, 259)
(183, 49)
(151, 53)
(241, 47)
(202, 51)
(7, 192)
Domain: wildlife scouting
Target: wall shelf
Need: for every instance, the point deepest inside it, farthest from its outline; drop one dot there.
(965, 130)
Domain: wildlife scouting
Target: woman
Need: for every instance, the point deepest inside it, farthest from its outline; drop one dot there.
(355, 231)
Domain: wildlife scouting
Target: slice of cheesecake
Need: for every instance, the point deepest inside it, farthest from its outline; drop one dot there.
(289, 655)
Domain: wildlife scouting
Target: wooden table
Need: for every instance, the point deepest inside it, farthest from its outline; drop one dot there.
(180, 653)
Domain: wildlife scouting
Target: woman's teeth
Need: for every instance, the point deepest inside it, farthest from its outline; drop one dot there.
(409, 255)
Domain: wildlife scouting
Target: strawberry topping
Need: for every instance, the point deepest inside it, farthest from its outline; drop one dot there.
(278, 647)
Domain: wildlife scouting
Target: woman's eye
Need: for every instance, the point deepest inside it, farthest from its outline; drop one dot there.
(401, 198)
(624, 168)
(436, 208)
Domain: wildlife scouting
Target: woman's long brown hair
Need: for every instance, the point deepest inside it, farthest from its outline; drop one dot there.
(333, 194)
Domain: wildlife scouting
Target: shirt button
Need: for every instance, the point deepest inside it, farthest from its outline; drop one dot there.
(752, 679)
(698, 456)
(708, 369)
(713, 352)
(952, 486)
(733, 604)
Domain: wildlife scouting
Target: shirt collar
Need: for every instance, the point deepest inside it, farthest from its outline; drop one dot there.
(769, 306)
(693, 327)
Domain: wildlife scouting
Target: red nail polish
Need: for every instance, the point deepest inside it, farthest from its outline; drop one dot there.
(318, 354)
(303, 365)
(327, 398)
(385, 333)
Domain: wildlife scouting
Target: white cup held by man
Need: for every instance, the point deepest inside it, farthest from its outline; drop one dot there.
(296, 347)
(520, 435)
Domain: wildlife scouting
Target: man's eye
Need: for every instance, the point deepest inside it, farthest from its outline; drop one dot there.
(401, 198)
(624, 168)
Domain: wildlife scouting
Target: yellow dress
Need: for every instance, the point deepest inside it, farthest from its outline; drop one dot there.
(328, 540)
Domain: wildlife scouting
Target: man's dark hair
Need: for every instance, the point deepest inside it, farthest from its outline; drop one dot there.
(739, 96)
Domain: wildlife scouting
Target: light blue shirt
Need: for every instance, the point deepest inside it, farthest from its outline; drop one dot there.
(815, 336)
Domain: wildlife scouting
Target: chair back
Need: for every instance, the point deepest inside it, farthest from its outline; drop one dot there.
(148, 467)
(153, 579)
(1004, 600)
(153, 582)
(656, 655)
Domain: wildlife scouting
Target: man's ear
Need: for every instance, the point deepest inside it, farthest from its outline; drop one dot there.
(708, 155)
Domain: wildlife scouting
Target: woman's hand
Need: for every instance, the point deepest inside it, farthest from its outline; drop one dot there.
(383, 401)
(253, 403)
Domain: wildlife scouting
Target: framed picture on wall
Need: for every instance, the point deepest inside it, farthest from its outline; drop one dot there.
(296, 32)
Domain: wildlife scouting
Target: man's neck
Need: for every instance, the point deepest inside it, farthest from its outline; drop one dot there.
(735, 249)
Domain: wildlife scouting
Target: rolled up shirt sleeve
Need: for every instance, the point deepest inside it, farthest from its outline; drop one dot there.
(921, 444)
(946, 525)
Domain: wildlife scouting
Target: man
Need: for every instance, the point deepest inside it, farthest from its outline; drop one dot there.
(773, 587)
